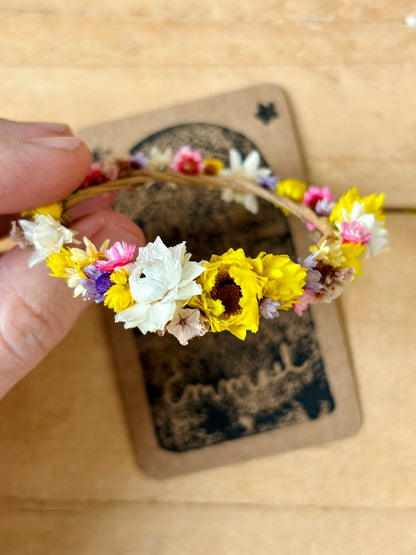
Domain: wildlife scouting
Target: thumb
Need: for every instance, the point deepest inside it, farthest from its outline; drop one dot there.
(36, 310)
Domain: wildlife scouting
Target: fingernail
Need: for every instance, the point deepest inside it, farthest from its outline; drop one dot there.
(51, 125)
(63, 143)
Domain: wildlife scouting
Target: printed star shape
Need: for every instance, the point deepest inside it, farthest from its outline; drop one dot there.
(266, 112)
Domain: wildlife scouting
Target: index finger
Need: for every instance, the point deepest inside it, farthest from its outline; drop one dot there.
(40, 170)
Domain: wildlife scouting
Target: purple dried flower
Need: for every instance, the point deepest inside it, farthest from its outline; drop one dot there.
(268, 182)
(138, 161)
(268, 308)
(313, 277)
(324, 207)
(96, 283)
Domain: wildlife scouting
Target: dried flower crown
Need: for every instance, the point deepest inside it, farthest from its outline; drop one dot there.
(159, 289)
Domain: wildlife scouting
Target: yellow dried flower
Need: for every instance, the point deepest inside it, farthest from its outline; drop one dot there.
(285, 279)
(292, 189)
(54, 209)
(90, 255)
(212, 166)
(372, 205)
(352, 252)
(59, 262)
(118, 297)
(231, 290)
(329, 253)
(64, 266)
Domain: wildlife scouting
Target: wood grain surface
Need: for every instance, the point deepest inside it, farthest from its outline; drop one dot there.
(68, 480)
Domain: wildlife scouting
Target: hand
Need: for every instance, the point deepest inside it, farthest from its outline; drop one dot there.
(41, 163)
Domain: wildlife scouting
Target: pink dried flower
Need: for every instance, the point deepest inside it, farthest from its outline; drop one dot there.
(95, 176)
(320, 200)
(306, 299)
(188, 161)
(100, 173)
(355, 232)
(314, 194)
(119, 254)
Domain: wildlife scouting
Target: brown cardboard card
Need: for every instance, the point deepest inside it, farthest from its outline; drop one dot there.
(220, 400)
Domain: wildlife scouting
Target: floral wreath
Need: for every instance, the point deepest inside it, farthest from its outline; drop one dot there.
(157, 288)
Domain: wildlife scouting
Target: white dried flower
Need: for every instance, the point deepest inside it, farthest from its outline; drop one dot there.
(162, 279)
(46, 235)
(248, 200)
(160, 160)
(73, 278)
(248, 169)
(17, 236)
(186, 324)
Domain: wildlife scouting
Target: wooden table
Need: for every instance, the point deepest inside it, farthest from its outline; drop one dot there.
(68, 480)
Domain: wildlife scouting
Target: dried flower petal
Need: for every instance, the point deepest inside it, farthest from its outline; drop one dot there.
(188, 161)
(212, 166)
(46, 235)
(355, 232)
(268, 308)
(138, 161)
(186, 324)
(96, 283)
(160, 160)
(247, 169)
(268, 182)
(119, 254)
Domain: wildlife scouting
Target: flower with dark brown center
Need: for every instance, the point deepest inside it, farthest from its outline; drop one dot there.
(231, 290)
(228, 292)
